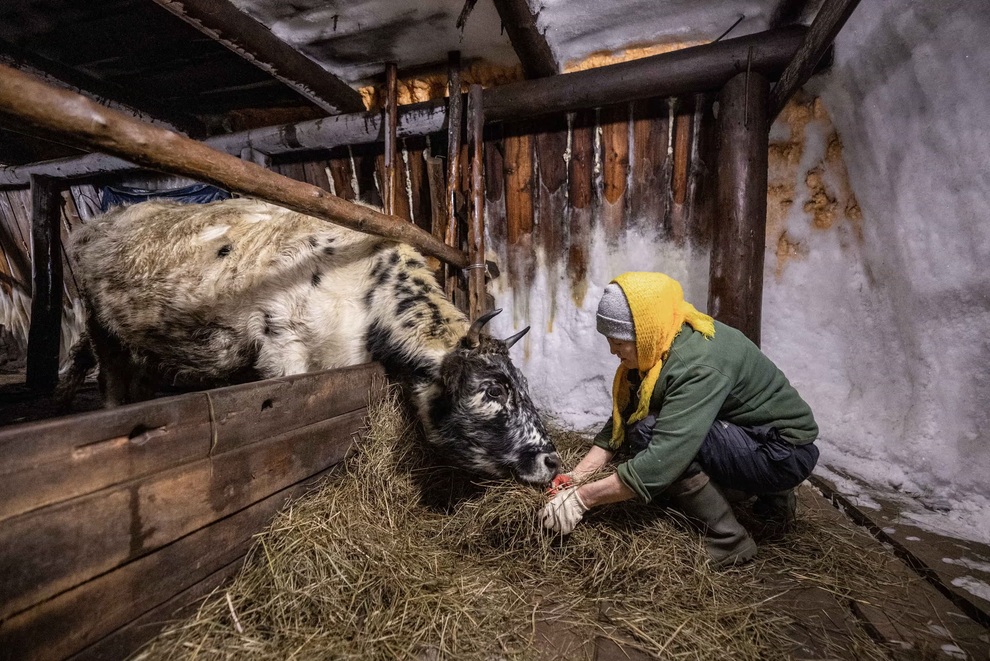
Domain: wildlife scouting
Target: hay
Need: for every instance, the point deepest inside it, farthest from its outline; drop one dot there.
(395, 559)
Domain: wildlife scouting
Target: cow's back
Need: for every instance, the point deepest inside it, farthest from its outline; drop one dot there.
(202, 290)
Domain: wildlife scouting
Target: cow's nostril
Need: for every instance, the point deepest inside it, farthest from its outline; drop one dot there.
(552, 462)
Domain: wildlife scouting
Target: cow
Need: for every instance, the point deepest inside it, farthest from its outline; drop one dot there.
(203, 295)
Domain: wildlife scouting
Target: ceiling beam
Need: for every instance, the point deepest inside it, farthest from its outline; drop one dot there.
(529, 43)
(829, 20)
(223, 22)
(687, 71)
(106, 94)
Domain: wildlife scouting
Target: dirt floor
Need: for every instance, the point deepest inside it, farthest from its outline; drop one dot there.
(923, 604)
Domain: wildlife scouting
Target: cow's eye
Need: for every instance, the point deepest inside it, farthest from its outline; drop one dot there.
(495, 391)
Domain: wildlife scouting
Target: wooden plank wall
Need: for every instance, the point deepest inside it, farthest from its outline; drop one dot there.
(111, 520)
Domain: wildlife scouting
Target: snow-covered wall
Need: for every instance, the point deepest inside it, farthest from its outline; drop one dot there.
(877, 292)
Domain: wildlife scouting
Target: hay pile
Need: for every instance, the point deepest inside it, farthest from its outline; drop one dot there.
(397, 560)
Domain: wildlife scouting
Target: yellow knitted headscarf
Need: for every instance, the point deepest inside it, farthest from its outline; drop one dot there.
(658, 310)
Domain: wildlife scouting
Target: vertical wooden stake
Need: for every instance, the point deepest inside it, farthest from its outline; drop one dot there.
(735, 293)
(476, 235)
(455, 195)
(391, 145)
(46, 297)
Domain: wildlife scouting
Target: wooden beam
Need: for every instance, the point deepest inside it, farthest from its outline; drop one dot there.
(829, 20)
(477, 296)
(686, 71)
(84, 123)
(689, 70)
(46, 295)
(221, 21)
(735, 293)
(391, 146)
(455, 196)
(529, 43)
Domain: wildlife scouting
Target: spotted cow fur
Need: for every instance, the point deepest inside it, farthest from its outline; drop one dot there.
(204, 295)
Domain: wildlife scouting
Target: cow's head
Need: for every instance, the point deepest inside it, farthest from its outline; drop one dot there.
(480, 415)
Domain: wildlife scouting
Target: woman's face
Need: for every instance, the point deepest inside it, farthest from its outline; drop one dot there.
(626, 351)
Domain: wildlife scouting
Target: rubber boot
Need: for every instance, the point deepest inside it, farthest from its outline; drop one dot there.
(727, 541)
(778, 509)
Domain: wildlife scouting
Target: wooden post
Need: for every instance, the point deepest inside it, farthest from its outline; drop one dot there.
(455, 196)
(391, 148)
(46, 296)
(735, 293)
(476, 235)
(83, 123)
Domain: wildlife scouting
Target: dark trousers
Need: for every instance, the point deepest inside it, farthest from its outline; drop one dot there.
(755, 460)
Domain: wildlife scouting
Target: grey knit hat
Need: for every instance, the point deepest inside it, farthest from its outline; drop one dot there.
(614, 316)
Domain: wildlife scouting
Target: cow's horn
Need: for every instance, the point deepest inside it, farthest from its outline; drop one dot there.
(509, 341)
(474, 333)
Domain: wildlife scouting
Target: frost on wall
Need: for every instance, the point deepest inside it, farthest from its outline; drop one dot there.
(876, 305)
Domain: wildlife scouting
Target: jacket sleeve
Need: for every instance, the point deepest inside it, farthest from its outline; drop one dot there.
(690, 406)
(604, 437)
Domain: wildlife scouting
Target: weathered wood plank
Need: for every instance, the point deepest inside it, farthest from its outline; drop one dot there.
(649, 150)
(50, 461)
(343, 178)
(390, 179)
(245, 413)
(50, 550)
(143, 592)
(519, 210)
(551, 202)
(419, 186)
(45, 335)
(735, 289)
(477, 295)
(679, 185)
(455, 190)
(580, 183)
(615, 168)
(437, 177)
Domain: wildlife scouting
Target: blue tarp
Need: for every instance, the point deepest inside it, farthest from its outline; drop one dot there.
(195, 194)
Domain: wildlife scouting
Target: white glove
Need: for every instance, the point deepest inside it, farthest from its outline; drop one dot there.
(564, 512)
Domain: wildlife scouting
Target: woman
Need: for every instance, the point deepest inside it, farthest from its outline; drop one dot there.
(695, 404)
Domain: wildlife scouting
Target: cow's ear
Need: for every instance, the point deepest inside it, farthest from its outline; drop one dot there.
(452, 373)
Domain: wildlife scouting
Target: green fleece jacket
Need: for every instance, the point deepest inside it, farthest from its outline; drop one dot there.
(725, 378)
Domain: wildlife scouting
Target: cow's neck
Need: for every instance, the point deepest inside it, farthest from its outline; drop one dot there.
(412, 324)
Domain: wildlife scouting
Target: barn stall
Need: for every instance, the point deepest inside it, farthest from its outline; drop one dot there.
(532, 194)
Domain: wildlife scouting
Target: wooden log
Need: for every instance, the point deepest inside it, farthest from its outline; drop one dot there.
(50, 550)
(420, 204)
(68, 624)
(679, 183)
(390, 181)
(551, 203)
(735, 293)
(829, 20)
(437, 177)
(581, 197)
(223, 22)
(615, 168)
(686, 71)
(343, 178)
(455, 195)
(87, 124)
(649, 149)
(529, 43)
(519, 209)
(316, 173)
(477, 295)
(45, 335)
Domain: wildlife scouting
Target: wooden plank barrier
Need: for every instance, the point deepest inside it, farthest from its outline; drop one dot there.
(133, 507)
